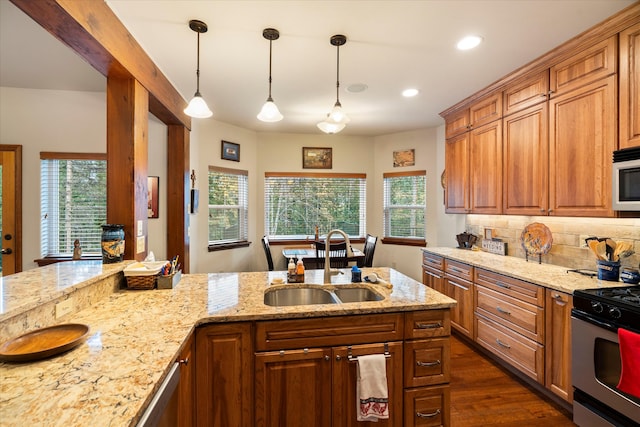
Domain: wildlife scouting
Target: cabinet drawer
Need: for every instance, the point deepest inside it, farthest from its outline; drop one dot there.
(431, 260)
(426, 362)
(524, 354)
(594, 63)
(427, 324)
(458, 269)
(521, 290)
(328, 331)
(524, 318)
(427, 407)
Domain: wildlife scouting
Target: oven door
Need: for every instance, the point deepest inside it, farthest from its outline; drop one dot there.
(596, 370)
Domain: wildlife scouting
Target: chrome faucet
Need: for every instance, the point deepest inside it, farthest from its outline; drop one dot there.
(327, 266)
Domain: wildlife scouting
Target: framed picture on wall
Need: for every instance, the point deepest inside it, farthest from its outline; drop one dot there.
(230, 151)
(152, 196)
(404, 158)
(317, 158)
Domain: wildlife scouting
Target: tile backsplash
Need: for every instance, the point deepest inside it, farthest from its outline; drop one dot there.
(568, 248)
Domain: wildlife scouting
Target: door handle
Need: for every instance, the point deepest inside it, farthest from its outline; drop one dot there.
(7, 251)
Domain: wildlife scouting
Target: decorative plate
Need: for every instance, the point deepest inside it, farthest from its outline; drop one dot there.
(536, 239)
(44, 342)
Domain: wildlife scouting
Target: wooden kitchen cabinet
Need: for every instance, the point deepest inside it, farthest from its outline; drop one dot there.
(459, 286)
(629, 94)
(432, 271)
(582, 137)
(485, 162)
(224, 383)
(526, 92)
(558, 343)
(457, 174)
(526, 161)
(187, 385)
(457, 123)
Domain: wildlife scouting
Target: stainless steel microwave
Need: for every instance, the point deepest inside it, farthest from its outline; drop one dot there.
(626, 179)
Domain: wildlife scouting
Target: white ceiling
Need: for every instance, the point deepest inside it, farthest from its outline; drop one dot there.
(391, 45)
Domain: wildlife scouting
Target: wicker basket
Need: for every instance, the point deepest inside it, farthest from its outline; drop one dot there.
(141, 282)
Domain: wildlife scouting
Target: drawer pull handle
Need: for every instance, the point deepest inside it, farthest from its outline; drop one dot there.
(457, 270)
(431, 415)
(500, 343)
(503, 285)
(503, 311)
(429, 325)
(427, 364)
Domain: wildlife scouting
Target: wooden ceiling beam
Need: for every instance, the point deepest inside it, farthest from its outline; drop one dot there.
(95, 33)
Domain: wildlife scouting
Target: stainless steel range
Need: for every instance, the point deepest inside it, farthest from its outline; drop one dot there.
(596, 363)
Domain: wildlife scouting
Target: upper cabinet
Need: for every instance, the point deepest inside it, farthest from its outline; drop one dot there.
(540, 140)
(630, 87)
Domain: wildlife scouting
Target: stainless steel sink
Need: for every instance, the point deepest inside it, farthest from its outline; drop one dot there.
(307, 295)
(298, 296)
(357, 295)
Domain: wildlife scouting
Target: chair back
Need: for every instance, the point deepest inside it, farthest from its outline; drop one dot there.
(337, 254)
(267, 252)
(369, 249)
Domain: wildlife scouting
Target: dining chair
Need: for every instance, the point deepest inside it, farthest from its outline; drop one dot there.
(267, 252)
(337, 254)
(369, 249)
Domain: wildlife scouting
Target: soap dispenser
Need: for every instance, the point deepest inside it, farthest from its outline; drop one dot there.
(356, 274)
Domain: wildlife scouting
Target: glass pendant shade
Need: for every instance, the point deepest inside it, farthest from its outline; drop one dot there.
(270, 112)
(330, 127)
(337, 115)
(198, 108)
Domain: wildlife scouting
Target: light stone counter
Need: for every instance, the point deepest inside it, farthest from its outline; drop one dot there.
(136, 335)
(546, 275)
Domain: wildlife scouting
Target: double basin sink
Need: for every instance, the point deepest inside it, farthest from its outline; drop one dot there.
(313, 295)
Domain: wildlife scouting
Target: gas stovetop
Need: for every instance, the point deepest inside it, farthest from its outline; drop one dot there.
(618, 307)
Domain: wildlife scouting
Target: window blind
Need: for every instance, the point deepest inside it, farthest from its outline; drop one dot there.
(73, 203)
(295, 203)
(405, 204)
(228, 205)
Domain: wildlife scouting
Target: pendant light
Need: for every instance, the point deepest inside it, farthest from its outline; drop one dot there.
(336, 120)
(197, 107)
(270, 112)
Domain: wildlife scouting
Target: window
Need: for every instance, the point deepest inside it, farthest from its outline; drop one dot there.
(228, 208)
(295, 203)
(405, 207)
(73, 202)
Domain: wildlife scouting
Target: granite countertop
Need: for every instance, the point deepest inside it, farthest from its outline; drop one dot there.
(547, 275)
(136, 335)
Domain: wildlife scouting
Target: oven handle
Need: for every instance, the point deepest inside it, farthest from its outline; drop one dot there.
(589, 319)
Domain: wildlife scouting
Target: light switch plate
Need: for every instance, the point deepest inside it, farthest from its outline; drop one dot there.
(140, 245)
(140, 228)
(64, 307)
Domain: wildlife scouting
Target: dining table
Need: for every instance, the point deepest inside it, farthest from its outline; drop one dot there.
(308, 256)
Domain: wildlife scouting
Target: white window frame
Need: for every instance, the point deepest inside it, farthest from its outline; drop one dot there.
(388, 207)
(242, 207)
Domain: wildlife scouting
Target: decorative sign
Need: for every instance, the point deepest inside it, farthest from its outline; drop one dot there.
(497, 247)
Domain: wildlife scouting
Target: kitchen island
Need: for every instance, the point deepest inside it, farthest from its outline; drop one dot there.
(135, 336)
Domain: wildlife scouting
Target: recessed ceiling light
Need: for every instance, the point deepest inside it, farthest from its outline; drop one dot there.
(408, 93)
(469, 42)
(357, 88)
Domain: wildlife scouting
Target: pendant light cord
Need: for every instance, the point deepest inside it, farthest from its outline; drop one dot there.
(198, 67)
(270, 43)
(338, 75)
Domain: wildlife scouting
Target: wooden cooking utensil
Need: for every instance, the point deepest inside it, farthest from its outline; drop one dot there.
(592, 245)
(601, 250)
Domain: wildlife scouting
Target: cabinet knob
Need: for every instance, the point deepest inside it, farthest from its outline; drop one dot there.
(541, 209)
(326, 357)
(338, 358)
(184, 362)
(550, 210)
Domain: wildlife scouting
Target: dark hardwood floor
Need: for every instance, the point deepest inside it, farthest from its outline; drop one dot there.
(484, 394)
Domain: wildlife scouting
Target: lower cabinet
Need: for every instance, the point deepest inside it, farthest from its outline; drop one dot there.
(303, 372)
(558, 344)
(187, 385)
(224, 383)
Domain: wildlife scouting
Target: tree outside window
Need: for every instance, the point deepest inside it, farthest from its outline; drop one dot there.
(228, 207)
(405, 207)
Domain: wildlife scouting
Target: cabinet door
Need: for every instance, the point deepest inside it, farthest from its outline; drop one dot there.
(582, 137)
(485, 168)
(456, 123)
(462, 314)
(486, 110)
(187, 385)
(526, 161)
(526, 92)
(457, 167)
(224, 385)
(558, 344)
(433, 278)
(293, 388)
(345, 380)
(630, 87)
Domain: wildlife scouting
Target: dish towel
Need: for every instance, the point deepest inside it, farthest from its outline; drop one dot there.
(630, 357)
(372, 392)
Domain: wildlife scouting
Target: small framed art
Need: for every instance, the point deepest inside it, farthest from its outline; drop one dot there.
(230, 151)
(152, 196)
(404, 158)
(317, 158)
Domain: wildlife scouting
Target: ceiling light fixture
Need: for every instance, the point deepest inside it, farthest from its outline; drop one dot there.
(469, 42)
(409, 93)
(197, 107)
(336, 120)
(270, 112)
